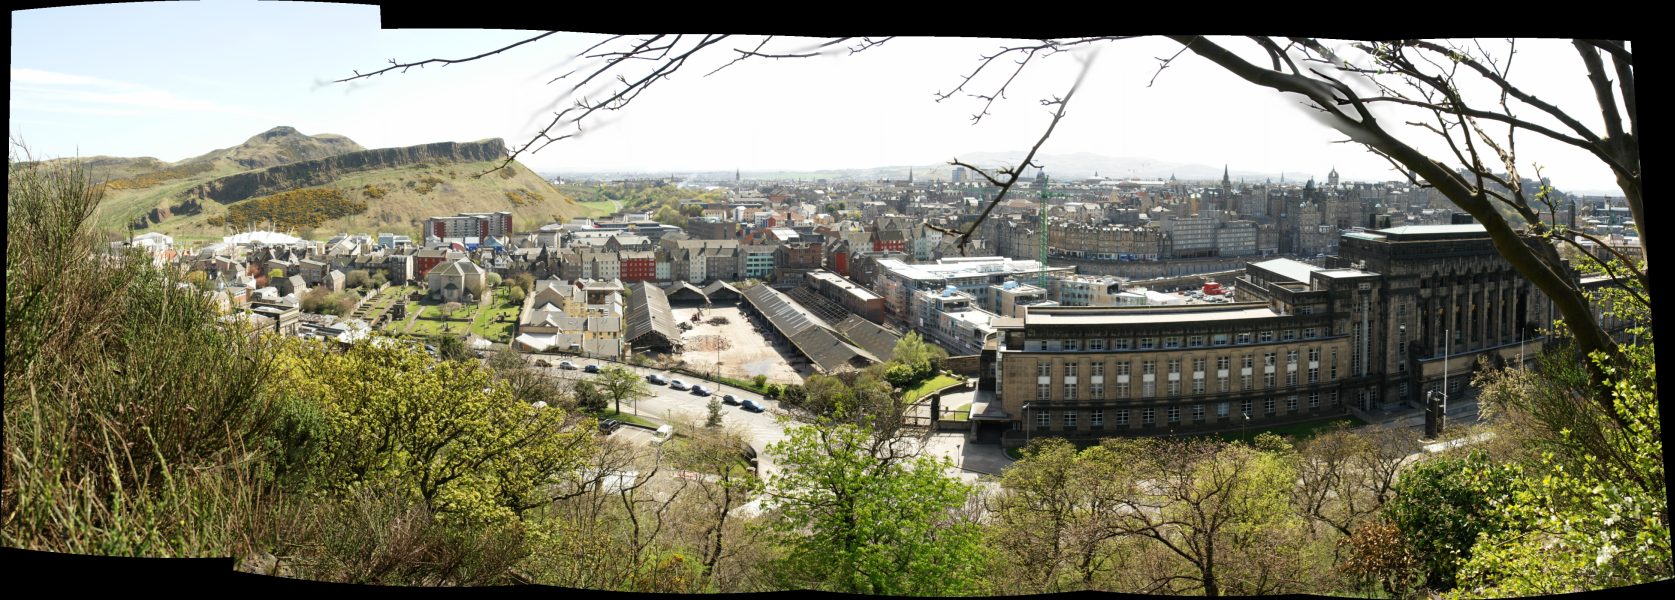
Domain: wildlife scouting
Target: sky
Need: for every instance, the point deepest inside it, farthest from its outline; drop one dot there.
(175, 80)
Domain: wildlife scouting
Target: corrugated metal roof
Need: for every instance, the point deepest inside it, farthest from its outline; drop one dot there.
(648, 312)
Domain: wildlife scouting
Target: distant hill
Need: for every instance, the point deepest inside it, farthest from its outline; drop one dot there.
(321, 182)
(1079, 165)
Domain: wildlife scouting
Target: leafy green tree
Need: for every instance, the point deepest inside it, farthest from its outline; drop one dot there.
(357, 278)
(451, 348)
(514, 294)
(443, 432)
(924, 357)
(493, 279)
(856, 517)
(275, 275)
(1050, 526)
(588, 396)
(714, 417)
(1441, 507)
(620, 384)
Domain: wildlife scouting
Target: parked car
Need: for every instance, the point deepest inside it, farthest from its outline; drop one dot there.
(567, 365)
(609, 425)
(656, 379)
(752, 406)
(729, 400)
(677, 384)
(699, 390)
(663, 434)
(590, 369)
(542, 363)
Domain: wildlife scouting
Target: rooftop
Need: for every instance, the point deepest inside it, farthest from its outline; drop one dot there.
(1194, 313)
(1290, 269)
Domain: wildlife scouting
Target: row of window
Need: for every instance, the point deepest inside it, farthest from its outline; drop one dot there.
(1196, 341)
(1148, 416)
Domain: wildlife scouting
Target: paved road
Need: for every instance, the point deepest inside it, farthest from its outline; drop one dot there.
(680, 408)
(971, 462)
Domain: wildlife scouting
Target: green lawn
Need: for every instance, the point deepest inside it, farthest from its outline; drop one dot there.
(627, 417)
(486, 325)
(430, 320)
(927, 386)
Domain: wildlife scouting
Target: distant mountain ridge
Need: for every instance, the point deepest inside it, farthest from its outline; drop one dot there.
(397, 187)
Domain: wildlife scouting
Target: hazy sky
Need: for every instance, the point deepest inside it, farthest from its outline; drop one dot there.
(174, 80)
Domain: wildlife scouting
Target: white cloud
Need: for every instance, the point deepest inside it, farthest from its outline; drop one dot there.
(34, 89)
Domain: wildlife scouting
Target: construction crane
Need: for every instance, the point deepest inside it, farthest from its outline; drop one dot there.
(1041, 255)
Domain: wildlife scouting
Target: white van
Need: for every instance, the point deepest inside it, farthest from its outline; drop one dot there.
(663, 434)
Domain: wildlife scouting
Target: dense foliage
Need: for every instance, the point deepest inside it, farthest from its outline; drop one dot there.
(293, 209)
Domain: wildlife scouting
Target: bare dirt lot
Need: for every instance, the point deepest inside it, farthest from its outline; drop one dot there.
(744, 352)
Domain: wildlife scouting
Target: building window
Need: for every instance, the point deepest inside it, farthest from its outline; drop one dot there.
(1148, 389)
(1219, 339)
(1174, 414)
(1268, 380)
(1097, 391)
(1148, 416)
(1332, 397)
(1122, 368)
(1268, 359)
(1244, 408)
(1247, 361)
(1174, 387)
(1096, 345)
(1314, 355)
(1291, 378)
(1174, 365)
(1307, 309)
(1314, 399)
(1221, 383)
(1288, 335)
(1043, 391)
(1196, 341)
(1120, 343)
(1148, 367)
(1267, 336)
(1221, 410)
(1070, 370)
(1043, 419)
(1122, 390)
(1197, 412)
(1122, 418)
(1069, 391)
(1069, 419)
(1072, 345)
(1244, 338)
(1291, 404)
(1314, 374)
(1291, 358)
(1148, 343)
(1268, 406)
(1310, 333)
(1244, 382)
(1198, 365)
(1098, 369)
(1043, 369)
(1096, 417)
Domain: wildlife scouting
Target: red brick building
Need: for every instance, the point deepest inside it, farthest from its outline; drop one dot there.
(638, 265)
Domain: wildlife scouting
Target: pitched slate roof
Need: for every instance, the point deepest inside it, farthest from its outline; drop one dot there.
(879, 341)
(812, 337)
(648, 312)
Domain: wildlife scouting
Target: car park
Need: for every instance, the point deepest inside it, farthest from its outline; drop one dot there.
(677, 384)
(752, 406)
(567, 365)
(656, 379)
(609, 425)
(730, 399)
(590, 369)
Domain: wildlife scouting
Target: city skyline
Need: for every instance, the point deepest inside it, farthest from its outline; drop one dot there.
(163, 95)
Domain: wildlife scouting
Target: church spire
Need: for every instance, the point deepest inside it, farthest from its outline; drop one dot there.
(1226, 182)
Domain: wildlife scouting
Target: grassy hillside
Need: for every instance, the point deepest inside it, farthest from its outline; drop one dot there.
(397, 200)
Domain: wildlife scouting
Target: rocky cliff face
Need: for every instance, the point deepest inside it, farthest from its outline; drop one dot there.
(272, 180)
(278, 146)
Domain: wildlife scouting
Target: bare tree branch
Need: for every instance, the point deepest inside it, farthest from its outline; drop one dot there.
(444, 61)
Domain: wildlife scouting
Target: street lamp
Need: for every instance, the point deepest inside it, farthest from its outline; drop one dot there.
(1025, 408)
(1243, 425)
